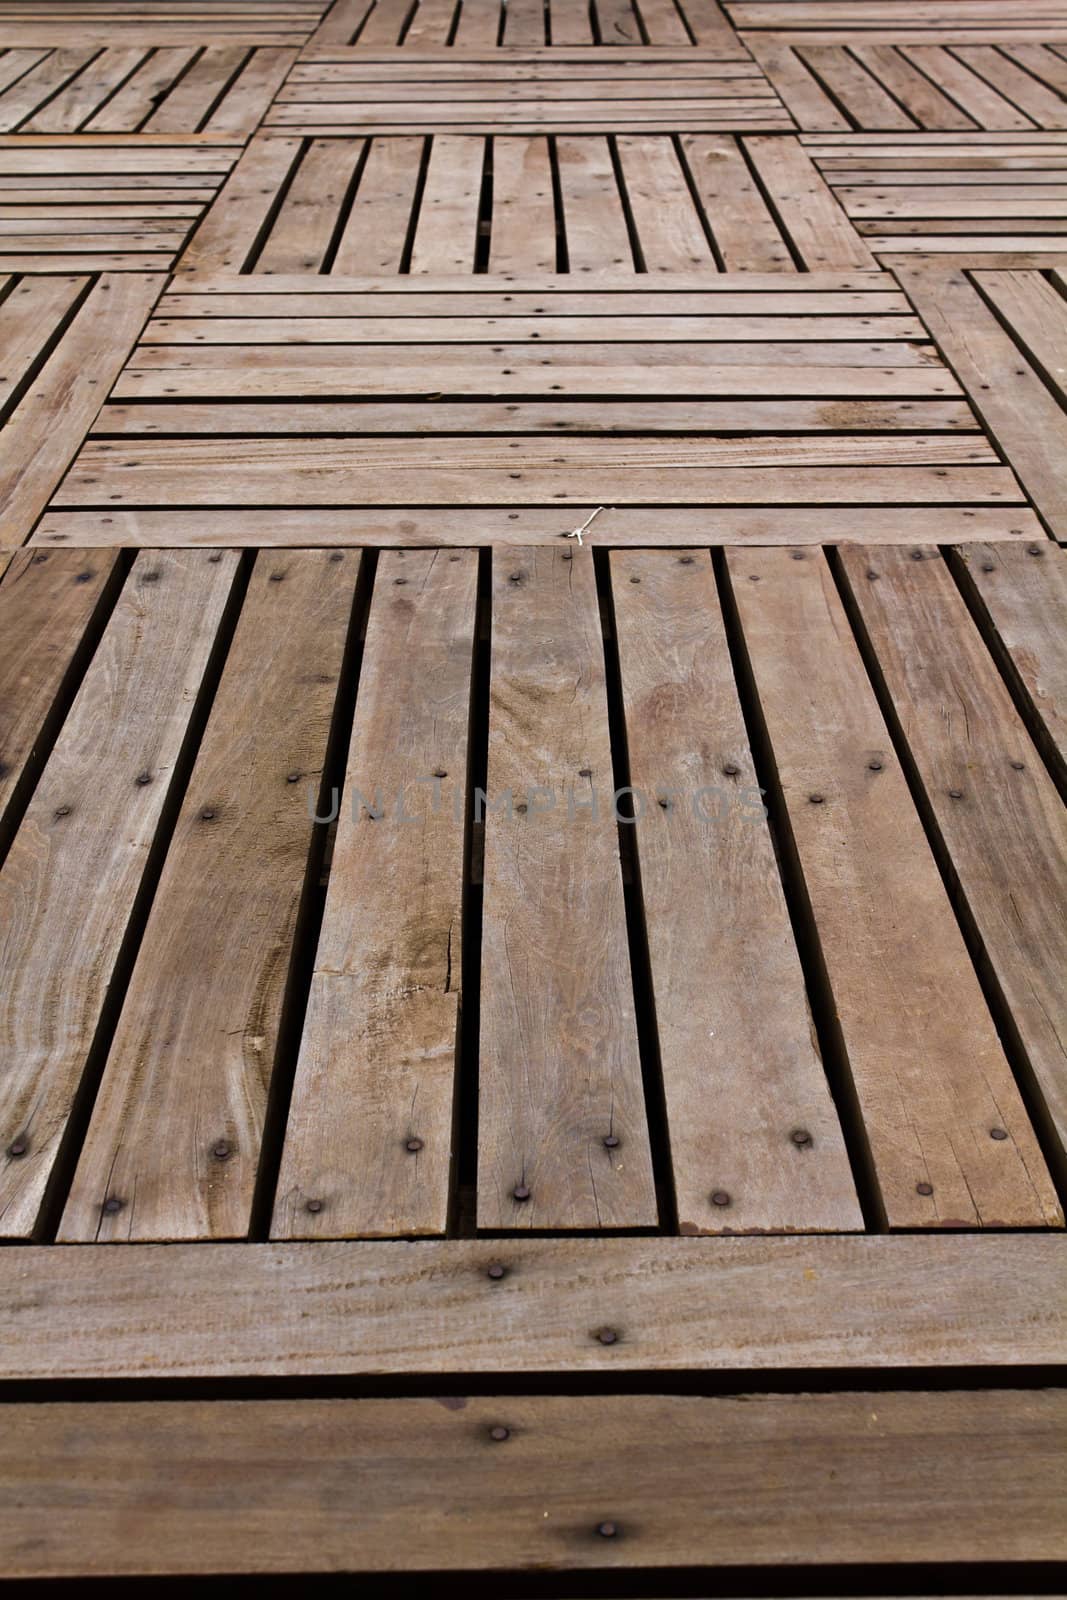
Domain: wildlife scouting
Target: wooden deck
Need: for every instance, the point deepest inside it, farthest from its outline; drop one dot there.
(533, 748)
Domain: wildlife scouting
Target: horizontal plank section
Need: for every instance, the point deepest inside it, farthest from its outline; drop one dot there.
(850, 1303)
(387, 1485)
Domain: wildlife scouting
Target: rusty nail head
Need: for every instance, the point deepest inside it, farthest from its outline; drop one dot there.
(816, 799)
(635, 580)
(142, 778)
(611, 1141)
(292, 777)
(955, 794)
(872, 574)
(730, 769)
(607, 1530)
(414, 1145)
(221, 1149)
(800, 1136)
(439, 772)
(314, 1206)
(685, 561)
(607, 1335)
(720, 1198)
(499, 1433)
(61, 811)
(798, 555)
(1035, 550)
(112, 1204)
(998, 1133)
(988, 566)
(207, 815)
(916, 555)
(875, 765)
(400, 580)
(585, 772)
(924, 1188)
(495, 1271)
(17, 1147)
(1018, 766)
(520, 1192)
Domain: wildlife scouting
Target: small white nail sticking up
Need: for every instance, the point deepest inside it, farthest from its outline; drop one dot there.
(576, 533)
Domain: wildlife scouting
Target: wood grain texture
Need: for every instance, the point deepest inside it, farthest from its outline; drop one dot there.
(368, 1146)
(818, 227)
(390, 1308)
(70, 880)
(55, 413)
(750, 1118)
(995, 806)
(387, 1485)
(559, 1066)
(178, 1120)
(227, 234)
(1023, 594)
(45, 609)
(929, 1071)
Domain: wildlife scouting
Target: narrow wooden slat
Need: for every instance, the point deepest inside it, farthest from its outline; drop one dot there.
(340, 24)
(178, 1121)
(668, 225)
(808, 211)
(228, 233)
(808, 103)
(929, 1071)
(1007, 394)
(70, 881)
(989, 109)
(524, 23)
(523, 237)
(479, 23)
(376, 232)
(139, 95)
(853, 87)
(385, 22)
(1047, 108)
(926, 103)
(57, 410)
(1024, 594)
(995, 806)
(431, 24)
(249, 96)
(304, 226)
(29, 315)
(594, 221)
(368, 1146)
(66, 112)
(27, 93)
(549, 330)
(448, 217)
(1036, 313)
(755, 1141)
(209, 1486)
(841, 1303)
(745, 233)
(193, 97)
(447, 287)
(559, 1068)
(45, 609)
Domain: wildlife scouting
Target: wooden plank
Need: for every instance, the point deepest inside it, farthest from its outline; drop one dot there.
(66, 111)
(852, 86)
(138, 97)
(1007, 394)
(1024, 595)
(448, 286)
(225, 239)
(925, 102)
(994, 805)
(28, 92)
(178, 1120)
(189, 103)
(844, 1303)
(56, 411)
(304, 227)
(431, 24)
(977, 98)
(209, 1487)
(70, 882)
(929, 1072)
(559, 1068)
(807, 101)
(30, 315)
(368, 1147)
(248, 97)
(598, 240)
(668, 225)
(375, 236)
(523, 237)
(1046, 107)
(755, 1141)
(340, 24)
(448, 216)
(806, 208)
(46, 606)
(435, 526)
(745, 233)
(1036, 313)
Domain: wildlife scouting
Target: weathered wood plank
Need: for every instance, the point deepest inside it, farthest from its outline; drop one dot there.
(818, 227)
(376, 232)
(745, 233)
(593, 218)
(929, 1072)
(225, 238)
(446, 231)
(843, 1303)
(70, 881)
(994, 805)
(387, 1485)
(523, 237)
(368, 1147)
(559, 1069)
(755, 1141)
(1008, 395)
(1024, 594)
(667, 222)
(178, 1120)
(57, 410)
(302, 231)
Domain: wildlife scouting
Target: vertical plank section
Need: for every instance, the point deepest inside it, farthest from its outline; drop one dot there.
(811, 216)
(369, 1140)
(58, 409)
(376, 232)
(227, 235)
(523, 238)
(930, 1075)
(593, 217)
(569, 22)
(177, 1125)
(70, 881)
(386, 22)
(47, 601)
(746, 234)
(1023, 591)
(669, 229)
(1005, 391)
(755, 1141)
(524, 23)
(711, 29)
(305, 224)
(559, 1069)
(340, 24)
(431, 24)
(479, 22)
(447, 229)
(995, 806)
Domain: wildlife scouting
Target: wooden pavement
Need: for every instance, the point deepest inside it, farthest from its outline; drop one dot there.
(533, 747)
